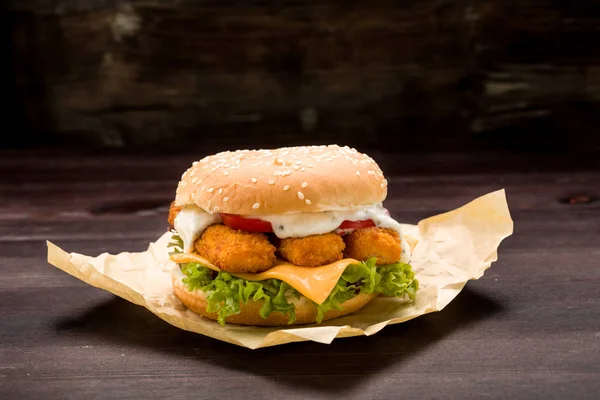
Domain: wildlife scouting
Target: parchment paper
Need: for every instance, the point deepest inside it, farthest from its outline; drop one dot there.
(452, 248)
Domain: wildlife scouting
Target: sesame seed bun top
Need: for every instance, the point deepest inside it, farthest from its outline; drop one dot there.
(284, 180)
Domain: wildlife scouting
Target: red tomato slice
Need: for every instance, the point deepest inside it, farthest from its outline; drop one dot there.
(257, 225)
(246, 224)
(367, 223)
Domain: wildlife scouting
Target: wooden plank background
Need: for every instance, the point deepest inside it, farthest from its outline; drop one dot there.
(426, 74)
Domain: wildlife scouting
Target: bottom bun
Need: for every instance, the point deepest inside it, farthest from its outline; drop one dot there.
(306, 311)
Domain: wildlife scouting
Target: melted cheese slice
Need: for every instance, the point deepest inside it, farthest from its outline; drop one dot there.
(313, 282)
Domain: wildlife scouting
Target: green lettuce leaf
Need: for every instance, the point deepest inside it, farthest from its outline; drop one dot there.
(396, 280)
(225, 292)
(176, 244)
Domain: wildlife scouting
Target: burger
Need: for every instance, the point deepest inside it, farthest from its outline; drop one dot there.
(294, 235)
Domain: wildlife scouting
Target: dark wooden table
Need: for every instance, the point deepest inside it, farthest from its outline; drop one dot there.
(530, 328)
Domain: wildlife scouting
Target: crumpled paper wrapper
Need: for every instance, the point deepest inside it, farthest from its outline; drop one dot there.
(453, 248)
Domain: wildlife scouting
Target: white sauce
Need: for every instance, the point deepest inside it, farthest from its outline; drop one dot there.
(306, 224)
(191, 222)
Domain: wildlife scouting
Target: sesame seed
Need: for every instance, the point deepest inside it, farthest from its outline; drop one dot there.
(210, 190)
(216, 209)
(358, 173)
(300, 195)
(193, 172)
(195, 162)
(256, 206)
(286, 187)
(302, 169)
(225, 199)
(209, 203)
(298, 162)
(254, 180)
(220, 191)
(194, 179)
(225, 173)
(308, 202)
(183, 183)
(304, 184)
(271, 182)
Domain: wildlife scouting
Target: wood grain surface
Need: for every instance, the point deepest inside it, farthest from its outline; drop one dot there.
(530, 328)
(468, 73)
